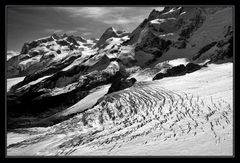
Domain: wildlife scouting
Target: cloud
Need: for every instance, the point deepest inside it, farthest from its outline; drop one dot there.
(81, 29)
(87, 12)
(124, 20)
(87, 33)
(71, 32)
(52, 30)
(110, 15)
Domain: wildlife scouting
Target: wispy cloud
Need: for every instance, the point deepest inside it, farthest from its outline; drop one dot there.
(88, 12)
(81, 29)
(71, 31)
(110, 15)
(52, 30)
(123, 20)
(87, 33)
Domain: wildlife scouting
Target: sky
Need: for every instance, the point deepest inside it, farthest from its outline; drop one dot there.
(26, 23)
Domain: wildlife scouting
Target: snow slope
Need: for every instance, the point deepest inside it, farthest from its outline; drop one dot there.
(83, 104)
(11, 54)
(13, 81)
(172, 116)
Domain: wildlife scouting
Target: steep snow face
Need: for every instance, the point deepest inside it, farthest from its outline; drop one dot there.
(174, 112)
(85, 103)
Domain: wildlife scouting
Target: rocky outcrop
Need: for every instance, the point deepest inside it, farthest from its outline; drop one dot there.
(178, 71)
(153, 44)
(217, 50)
(119, 82)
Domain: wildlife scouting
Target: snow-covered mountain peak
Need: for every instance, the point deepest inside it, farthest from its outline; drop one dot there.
(110, 29)
(109, 32)
(167, 10)
(43, 52)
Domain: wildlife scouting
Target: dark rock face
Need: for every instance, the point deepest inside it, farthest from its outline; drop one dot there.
(178, 71)
(152, 41)
(110, 32)
(222, 49)
(191, 67)
(119, 82)
(72, 39)
(204, 49)
(194, 24)
(79, 38)
(135, 34)
(154, 45)
(25, 48)
(225, 50)
(181, 44)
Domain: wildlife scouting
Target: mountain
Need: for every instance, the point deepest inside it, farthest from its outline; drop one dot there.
(123, 86)
(46, 52)
(110, 32)
(183, 32)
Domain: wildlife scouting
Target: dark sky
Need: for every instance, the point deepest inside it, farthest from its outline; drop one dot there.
(30, 23)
